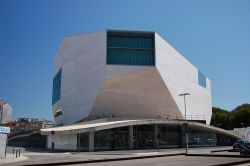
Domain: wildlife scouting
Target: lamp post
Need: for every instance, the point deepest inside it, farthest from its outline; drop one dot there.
(186, 124)
(242, 125)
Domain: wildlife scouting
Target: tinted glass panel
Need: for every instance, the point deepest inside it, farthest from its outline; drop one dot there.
(111, 139)
(130, 56)
(130, 48)
(169, 136)
(143, 136)
(202, 79)
(199, 138)
(58, 113)
(57, 87)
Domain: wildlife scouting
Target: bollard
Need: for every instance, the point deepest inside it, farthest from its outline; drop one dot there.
(16, 152)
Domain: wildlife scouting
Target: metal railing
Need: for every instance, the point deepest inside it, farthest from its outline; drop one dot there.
(196, 117)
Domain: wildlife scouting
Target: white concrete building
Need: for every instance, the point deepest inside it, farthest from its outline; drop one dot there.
(126, 74)
(244, 132)
(117, 89)
(5, 111)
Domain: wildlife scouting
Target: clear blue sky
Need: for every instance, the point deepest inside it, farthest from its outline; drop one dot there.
(214, 35)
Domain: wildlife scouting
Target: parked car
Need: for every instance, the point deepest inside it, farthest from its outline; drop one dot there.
(238, 143)
(245, 149)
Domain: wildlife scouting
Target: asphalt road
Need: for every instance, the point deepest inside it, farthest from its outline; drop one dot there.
(172, 161)
(203, 157)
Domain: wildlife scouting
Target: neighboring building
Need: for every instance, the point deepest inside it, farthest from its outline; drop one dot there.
(26, 124)
(118, 89)
(49, 124)
(243, 132)
(26, 132)
(5, 111)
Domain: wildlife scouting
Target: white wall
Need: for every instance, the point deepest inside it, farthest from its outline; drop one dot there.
(3, 138)
(65, 142)
(122, 70)
(6, 113)
(181, 76)
(83, 60)
(244, 132)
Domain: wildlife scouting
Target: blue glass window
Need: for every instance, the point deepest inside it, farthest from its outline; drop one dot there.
(58, 113)
(202, 79)
(56, 94)
(130, 48)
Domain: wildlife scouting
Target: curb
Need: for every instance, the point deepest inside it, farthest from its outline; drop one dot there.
(215, 155)
(225, 150)
(234, 163)
(13, 160)
(106, 160)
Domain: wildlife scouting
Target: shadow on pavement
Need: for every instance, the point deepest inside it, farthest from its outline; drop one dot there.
(218, 155)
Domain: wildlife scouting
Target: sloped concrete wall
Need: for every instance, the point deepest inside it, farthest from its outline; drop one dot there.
(141, 94)
(181, 76)
(83, 60)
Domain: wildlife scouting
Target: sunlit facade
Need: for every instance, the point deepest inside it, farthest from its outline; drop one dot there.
(5, 111)
(126, 74)
(115, 90)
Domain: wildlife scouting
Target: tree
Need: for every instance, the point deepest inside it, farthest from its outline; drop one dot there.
(241, 114)
(220, 118)
(231, 119)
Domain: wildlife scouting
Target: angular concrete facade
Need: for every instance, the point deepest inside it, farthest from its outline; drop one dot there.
(83, 62)
(181, 76)
(90, 88)
(141, 94)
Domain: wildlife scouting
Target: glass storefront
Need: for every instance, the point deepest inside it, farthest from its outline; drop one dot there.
(199, 138)
(83, 142)
(169, 136)
(112, 139)
(143, 137)
(223, 140)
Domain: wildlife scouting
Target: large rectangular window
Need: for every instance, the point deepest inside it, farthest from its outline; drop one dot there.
(130, 48)
(202, 79)
(56, 94)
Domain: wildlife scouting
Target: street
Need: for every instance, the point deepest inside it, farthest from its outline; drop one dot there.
(172, 161)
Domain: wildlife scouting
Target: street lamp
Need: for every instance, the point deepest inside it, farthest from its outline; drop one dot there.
(242, 125)
(186, 124)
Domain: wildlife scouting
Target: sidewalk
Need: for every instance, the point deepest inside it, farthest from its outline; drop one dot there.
(10, 158)
(45, 158)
